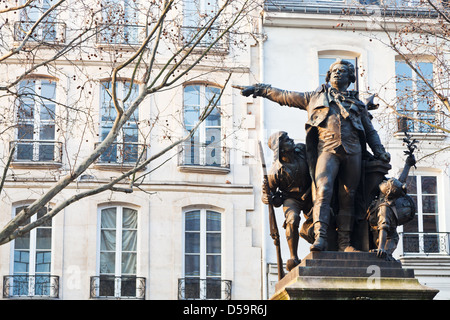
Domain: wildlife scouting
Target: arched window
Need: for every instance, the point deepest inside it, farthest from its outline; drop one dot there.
(196, 15)
(421, 235)
(32, 262)
(415, 100)
(36, 113)
(49, 30)
(202, 254)
(204, 148)
(125, 149)
(328, 57)
(117, 254)
(120, 23)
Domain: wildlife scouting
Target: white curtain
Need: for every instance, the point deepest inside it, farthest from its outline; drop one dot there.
(108, 252)
(129, 241)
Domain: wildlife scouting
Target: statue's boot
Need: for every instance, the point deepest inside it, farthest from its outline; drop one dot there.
(321, 216)
(344, 224)
(292, 263)
(320, 242)
(292, 238)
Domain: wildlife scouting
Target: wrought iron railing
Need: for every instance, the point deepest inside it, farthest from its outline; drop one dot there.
(212, 155)
(117, 287)
(420, 121)
(32, 151)
(190, 35)
(123, 153)
(350, 7)
(47, 32)
(204, 289)
(425, 243)
(31, 286)
(120, 34)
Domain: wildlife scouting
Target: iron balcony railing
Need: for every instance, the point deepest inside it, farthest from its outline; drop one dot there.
(190, 35)
(120, 34)
(36, 151)
(47, 32)
(123, 153)
(204, 289)
(420, 121)
(425, 243)
(117, 287)
(211, 155)
(414, 8)
(31, 286)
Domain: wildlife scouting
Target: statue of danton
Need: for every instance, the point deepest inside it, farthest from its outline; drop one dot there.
(338, 129)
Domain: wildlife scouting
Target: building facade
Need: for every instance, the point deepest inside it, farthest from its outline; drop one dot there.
(301, 40)
(190, 229)
(194, 226)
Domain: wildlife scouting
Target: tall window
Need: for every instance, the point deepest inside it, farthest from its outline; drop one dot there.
(35, 131)
(204, 148)
(327, 60)
(120, 22)
(117, 253)
(125, 149)
(196, 15)
(421, 234)
(32, 260)
(202, 254)
(48, 29)
(414, 98)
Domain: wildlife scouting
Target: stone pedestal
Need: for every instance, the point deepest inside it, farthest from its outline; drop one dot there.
(350, 275)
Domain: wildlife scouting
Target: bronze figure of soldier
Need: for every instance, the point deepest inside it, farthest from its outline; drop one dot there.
(337, 130)
(289, 185)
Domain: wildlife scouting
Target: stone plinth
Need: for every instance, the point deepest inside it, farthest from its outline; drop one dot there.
(350, 275)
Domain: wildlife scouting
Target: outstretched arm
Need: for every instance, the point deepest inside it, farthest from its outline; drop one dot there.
(282, 97)
(410, 161)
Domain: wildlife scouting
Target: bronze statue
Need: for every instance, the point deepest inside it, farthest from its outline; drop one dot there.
(392, 208)
(337, 130)
(289, 184)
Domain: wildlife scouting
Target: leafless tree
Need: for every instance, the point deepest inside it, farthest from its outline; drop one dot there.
(157, 51)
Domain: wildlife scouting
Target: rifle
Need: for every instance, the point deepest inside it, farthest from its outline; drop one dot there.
(272, 219)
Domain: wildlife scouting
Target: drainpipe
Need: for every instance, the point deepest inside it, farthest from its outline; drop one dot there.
(262, 136)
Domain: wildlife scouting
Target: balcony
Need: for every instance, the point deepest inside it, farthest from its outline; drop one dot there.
(117, 287)
(36, 153)
(46, 32)
(120, 34)
(189, 35)
(425, 243)
(204, 289)
(27, 286)
(349, 7)
(203, 158)
(426, 123)
(121, 154)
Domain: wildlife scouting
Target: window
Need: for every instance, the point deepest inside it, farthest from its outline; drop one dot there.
(204, 148)
(117, 262)
(49, 30)
(196, 15)
(325, 61)
(406, 3)
(421, 234)
(32, 260)
(35, 132)
(414, 98)
(202, 254)
(120, 22)
(125, 149)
